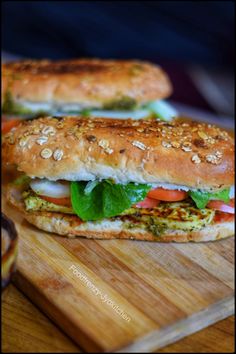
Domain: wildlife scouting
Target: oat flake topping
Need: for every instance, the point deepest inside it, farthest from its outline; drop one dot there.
(57, 155)
(139, 145)
(46, 153)
(196, 159)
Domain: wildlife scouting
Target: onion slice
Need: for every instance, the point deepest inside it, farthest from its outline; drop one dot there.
(50, 188)
(221, 206)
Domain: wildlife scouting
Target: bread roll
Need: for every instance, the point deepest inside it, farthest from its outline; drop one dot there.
(198, 156)
(85, 82)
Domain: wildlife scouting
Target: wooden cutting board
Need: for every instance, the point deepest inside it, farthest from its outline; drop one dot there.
(126, 296)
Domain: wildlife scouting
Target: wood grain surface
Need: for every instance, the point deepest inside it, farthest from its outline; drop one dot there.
(25, 329)
(166, 291)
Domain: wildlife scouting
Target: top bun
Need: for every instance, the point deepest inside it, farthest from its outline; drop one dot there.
(198, 156)
(87, 82)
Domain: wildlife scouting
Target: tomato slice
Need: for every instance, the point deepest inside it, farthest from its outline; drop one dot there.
(148, 203)
(59, 201)
(9, 124)
(222, 206)
(167, 195)
(223, 217)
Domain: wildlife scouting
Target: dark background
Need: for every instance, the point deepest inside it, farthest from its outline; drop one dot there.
(176, 34)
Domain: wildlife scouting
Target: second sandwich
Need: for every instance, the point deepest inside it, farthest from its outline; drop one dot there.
(89, 87)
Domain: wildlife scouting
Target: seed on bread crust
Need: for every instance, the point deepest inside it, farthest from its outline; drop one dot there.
(196, 159)
(46, 153)
(57, 155)
(42, 140)
(139, 145)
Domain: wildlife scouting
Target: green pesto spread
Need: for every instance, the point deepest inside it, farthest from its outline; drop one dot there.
(124, 103)
(11, 107)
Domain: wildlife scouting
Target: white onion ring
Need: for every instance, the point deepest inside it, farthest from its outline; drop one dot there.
(221, 206)
(50, 188)
(227, 209)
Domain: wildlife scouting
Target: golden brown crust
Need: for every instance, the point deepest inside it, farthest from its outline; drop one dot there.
(71, 226)
(190, 154)
(89, 82)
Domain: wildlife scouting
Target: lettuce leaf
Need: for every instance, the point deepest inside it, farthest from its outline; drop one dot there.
(98, 200)
(21, 180)
(11, 107)
(201, 199)
(162, 110)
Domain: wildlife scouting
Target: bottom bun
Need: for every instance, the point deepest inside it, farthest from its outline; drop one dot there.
(72, 226)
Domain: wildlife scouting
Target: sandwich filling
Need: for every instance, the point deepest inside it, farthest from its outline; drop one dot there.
(15, 112)
(155, 209)
(122, 108)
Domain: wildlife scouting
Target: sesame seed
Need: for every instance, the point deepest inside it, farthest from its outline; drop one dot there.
(48, 130)
(210, 140)
(202, 135)
(187, 143)
(186, 148)
(196, 159)
(26, 133)
(60, 125)
(109, 151)
(175, 144)
(213, 159)
(218, 154)
(78, 133)
(10, 138)
(105, 145)
(139, 145)
(23, 141)
(70, 131)
(166, 144)
(179, 133)
(46, 153)
(35, 131)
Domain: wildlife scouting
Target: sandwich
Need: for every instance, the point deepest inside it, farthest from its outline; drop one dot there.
(113, 178)
(87, 87)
